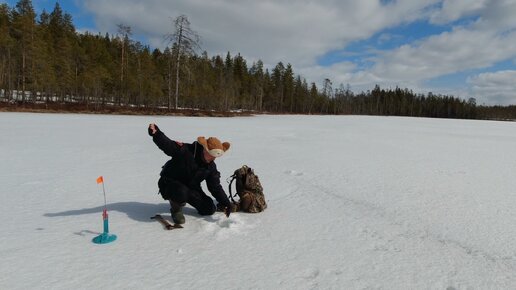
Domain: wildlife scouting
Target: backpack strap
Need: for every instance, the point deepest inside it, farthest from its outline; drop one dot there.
(233, 177)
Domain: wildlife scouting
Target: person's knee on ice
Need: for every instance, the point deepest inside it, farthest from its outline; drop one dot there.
(207, 210)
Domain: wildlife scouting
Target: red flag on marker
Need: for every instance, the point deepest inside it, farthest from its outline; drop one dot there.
(100, 179)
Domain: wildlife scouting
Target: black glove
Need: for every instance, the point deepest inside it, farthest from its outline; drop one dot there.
(150, 131)
(228, 209)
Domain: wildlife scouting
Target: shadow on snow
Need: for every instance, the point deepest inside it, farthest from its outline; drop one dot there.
(135, 210)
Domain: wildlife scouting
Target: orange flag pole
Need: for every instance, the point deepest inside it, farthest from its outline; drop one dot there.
(100, 179)
(105, 237)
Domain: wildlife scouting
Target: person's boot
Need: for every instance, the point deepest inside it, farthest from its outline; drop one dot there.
(176, 209)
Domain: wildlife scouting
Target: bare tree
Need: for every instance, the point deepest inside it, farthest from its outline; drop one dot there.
(185, 42)
(124, 31)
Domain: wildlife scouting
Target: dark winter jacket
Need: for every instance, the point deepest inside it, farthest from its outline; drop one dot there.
(188, 166)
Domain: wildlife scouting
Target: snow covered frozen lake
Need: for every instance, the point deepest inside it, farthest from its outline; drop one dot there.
(355, 202)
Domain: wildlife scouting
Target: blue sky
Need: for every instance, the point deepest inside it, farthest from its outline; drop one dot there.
(464, 48)
(82, 18)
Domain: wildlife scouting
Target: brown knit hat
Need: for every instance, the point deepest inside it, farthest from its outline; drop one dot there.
(213, 146)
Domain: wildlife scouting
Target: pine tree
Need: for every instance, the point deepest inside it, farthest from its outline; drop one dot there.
(45, 78)
(278, 83)
(62, 36)
(219, 86)
(24, 29)
(288, 88)
(313, 97)
(258, 84)
(6, 47)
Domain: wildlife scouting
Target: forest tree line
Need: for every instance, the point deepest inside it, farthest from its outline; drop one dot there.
(43, 59)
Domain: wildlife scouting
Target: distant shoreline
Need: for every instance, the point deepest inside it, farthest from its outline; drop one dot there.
(113, 110)
(67, 108)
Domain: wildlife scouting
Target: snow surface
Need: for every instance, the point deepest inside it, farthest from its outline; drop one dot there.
(355, 202)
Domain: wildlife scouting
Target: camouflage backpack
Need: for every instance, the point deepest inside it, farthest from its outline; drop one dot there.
(249, 189)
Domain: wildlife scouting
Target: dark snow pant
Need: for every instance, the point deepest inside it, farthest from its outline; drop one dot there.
(175, 191)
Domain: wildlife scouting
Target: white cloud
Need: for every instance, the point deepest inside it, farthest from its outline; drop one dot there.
(498, 16)
(481, 44)
(337, 73)
(453, 10)
(494, 88)
(300, 32)
(449, 52)
(295, 32)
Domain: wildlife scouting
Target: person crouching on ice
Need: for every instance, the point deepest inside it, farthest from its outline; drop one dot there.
(181, 176)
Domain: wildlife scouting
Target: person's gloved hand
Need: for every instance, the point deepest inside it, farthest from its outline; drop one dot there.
(228, 209)
(153, 128)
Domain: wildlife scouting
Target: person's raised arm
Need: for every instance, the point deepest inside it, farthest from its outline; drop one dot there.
(162, 141)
